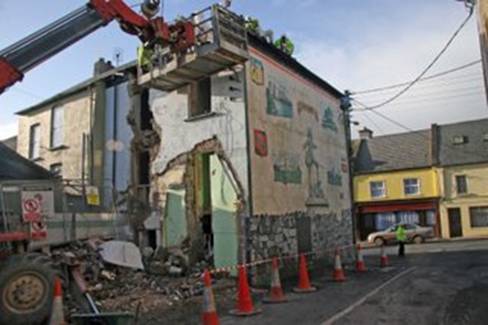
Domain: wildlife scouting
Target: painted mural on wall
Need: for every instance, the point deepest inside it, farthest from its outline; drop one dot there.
(260, 143)
(278, 102)
(286, 168)
(334, 177)
(328, 121)
(316, 195)
(257, 72)
(304, 139)
(304, 108)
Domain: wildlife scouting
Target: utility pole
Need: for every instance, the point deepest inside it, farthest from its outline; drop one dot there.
(346, 110)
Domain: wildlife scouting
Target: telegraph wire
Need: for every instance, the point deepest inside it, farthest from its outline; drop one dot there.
(431, 64)
(434, 76)
(417, 132)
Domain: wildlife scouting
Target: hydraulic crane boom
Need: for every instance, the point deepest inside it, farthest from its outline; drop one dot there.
(34, 49)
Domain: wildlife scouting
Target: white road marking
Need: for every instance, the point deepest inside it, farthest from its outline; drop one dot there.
(346, 311)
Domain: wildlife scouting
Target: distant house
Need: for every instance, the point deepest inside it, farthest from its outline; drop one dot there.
(435, 177)
(463, 170)
(394, 181)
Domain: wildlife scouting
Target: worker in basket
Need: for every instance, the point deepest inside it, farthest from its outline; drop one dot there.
(144, 57)
(285, 44)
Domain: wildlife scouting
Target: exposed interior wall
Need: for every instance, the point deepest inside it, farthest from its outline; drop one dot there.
(206, 146)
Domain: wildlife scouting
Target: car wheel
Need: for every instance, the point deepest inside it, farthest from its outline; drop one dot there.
(379, 241)
(418, 239)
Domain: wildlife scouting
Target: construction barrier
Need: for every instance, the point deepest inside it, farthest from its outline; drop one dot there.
(244, 303)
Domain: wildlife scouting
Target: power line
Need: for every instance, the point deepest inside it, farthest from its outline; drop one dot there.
(437, 57)
(464, 79)
(437, 75)
(417, 132)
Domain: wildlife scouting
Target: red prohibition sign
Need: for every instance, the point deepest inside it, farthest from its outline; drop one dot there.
(31, 205)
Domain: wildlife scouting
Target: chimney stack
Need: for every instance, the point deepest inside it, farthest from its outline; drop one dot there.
(102, 66)
(365, 134)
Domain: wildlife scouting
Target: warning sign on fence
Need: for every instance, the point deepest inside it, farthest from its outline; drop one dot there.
(37, 205)
(38, 229)
(92, 196)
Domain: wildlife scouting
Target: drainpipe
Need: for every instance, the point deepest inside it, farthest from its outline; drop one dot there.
(346, 109)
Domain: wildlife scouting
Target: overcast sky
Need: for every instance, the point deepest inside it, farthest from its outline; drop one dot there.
(352, 44)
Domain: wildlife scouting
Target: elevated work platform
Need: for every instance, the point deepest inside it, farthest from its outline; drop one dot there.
(221, 42)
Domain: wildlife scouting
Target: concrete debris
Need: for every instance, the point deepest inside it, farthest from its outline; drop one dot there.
(122, 253)
(167, 278)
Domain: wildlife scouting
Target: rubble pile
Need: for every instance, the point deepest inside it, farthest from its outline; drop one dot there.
(166, 279)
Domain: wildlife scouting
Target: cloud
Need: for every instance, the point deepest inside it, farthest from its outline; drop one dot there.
(376, 56)
(8, 130)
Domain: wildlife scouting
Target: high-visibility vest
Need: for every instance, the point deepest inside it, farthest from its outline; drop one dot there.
(143, 56)
(400, 234)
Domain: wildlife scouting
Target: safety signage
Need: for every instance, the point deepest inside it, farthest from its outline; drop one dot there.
(37, 205)
(92, 195)
(38, 229)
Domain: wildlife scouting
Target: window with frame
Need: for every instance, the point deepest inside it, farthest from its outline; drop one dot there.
(56, 169)
(34, 141)
(200, 98)
(411, 186)
(461, 184)
(478, 216)
(57, 121)
(377, 189)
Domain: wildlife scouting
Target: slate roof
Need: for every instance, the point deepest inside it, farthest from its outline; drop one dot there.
(474, 150)
(15, 167)
(392, 152)
(77, 88)
(11, 142)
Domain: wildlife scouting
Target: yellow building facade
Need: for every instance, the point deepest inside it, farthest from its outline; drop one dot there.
(394, 185)
(464, 205)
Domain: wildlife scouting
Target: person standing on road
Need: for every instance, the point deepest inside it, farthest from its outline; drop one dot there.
(401, 237)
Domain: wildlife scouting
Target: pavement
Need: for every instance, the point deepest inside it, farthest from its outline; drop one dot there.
(436, 283)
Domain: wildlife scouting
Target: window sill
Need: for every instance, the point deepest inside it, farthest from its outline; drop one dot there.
(36, 159)
(203, 116)
(61, 147)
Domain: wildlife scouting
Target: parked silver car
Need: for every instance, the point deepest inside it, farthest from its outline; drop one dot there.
(415, 233)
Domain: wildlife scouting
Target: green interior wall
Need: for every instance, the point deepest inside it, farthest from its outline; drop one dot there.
(175, 227)
(224, 220)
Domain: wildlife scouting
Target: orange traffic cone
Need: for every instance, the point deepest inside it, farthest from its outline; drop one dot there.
(304, 285)
(276, 294)
(360, 265)
(244, 305)
(338, 274)
(209, 315)
(384, 258)
(57, 314)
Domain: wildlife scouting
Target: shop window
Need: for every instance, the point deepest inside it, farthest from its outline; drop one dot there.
(411, 186)
(200, 98)
(478, 216)
(461, 184)
(377, 189)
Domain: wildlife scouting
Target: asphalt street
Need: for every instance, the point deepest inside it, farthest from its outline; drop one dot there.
(437, 283)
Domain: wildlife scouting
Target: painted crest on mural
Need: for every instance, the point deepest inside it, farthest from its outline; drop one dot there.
(260, 143)
(305, 108)
(257, 72)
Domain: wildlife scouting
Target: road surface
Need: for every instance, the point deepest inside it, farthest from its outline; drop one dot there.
(437, 283)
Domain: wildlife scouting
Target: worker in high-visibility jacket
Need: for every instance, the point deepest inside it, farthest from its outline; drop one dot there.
(144, 58)
(285, 44)
(401, 237)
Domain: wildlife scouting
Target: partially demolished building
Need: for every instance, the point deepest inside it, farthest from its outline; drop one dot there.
(245, 162)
